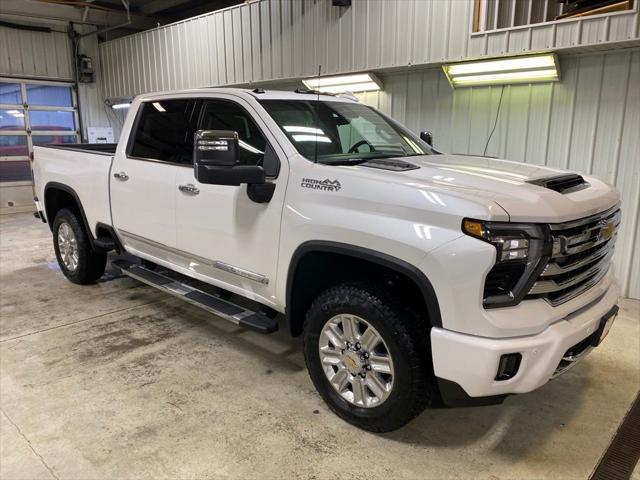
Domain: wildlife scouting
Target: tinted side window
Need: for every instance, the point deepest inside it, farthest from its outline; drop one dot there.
(226, 115)
(165, 131)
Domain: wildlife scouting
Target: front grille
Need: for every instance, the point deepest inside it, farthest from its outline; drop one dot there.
(582, 251)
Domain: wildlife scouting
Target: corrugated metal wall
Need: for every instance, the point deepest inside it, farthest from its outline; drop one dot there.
(275, 39)
(35, 54)
(590, 122)
(47, 55)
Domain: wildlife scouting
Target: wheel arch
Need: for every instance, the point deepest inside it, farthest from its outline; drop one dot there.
(301, 288)
(58, 196)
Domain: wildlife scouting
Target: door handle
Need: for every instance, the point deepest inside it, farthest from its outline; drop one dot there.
(189, 189)
(123, 177)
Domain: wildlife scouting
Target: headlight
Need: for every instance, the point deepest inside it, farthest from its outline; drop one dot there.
(522, 253)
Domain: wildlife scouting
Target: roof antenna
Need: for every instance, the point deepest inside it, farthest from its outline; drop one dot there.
(315, 156)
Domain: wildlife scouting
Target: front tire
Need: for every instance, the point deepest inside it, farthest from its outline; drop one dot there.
(367, 357)
(77, 259)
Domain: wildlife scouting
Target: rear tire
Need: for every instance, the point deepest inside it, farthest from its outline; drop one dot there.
(400, 386)
(77, 259)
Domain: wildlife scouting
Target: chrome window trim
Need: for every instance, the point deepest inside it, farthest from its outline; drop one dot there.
(155, 160)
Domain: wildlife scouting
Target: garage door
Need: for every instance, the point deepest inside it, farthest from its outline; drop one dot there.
(33, 113)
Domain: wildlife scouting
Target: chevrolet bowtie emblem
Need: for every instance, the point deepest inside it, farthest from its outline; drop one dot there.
(606, 232)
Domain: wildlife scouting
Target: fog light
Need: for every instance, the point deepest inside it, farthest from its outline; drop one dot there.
(508, 366)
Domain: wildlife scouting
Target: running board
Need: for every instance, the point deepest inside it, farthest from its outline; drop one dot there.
(166, 281)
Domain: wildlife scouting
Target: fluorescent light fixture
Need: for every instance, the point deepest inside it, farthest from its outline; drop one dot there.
(529, 69)
(360, 82)
(120, 106)
(158, 106)
(13, 112)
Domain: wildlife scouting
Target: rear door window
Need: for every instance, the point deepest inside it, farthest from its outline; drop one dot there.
(164, 131)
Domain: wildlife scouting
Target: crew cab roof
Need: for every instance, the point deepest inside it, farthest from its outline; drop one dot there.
(258, 94)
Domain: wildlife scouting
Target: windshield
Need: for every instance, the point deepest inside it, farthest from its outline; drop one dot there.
(342, 132)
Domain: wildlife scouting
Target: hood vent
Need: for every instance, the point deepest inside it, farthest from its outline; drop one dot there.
(390, 164)
(563, 183)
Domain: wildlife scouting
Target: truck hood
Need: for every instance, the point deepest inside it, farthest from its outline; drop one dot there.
(509, 185)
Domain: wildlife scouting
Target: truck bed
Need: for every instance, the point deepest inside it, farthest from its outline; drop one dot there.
(80, 169)
(99, 148)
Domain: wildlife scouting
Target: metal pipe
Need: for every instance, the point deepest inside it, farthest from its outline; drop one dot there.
(125, 3)
(76, 82)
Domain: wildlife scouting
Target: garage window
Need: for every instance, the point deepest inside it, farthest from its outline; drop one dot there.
(33, 113)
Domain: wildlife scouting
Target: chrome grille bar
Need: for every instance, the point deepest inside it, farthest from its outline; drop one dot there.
(580, 258)
(555, 269)
(571, 294)
(547, 286)
(562, 245)
(584, 221)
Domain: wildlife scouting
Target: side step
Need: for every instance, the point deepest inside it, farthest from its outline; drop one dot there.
(175, 284)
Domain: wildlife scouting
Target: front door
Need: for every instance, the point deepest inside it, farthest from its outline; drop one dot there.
(143, 178)
(233, 241)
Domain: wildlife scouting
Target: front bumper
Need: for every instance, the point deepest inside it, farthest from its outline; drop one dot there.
(472, 362)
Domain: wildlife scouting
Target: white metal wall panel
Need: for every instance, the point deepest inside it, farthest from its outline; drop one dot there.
(279, 39)
(346, 51)
(594, 30)
(589, 122)
(35, 54)
(519, 40)
(438, 29)
(331, 63)
(497, 43)
(567, 34)
(542, 37)
(421, 21)
(459, 21)
(621, 27)
(255, 45)
(236, 45)
(359, 12)
(220, 54)
(247, 58)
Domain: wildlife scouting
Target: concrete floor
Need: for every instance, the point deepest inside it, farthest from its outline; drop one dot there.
(117, 380)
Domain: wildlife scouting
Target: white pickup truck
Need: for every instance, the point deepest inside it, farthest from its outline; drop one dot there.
(415, 277)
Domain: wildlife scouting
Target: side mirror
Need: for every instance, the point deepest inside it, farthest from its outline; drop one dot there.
(427, 137)
(215, 160)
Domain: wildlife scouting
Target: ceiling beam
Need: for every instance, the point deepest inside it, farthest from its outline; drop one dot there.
(34, 9)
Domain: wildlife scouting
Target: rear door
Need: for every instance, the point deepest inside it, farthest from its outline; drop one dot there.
(143, 178)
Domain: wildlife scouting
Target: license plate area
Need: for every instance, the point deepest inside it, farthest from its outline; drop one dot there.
(605, 325)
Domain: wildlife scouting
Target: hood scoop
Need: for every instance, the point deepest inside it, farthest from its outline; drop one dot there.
(392, 164)
(562, 183)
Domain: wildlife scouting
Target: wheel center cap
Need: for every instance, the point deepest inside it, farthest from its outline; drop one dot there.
(352, 362)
